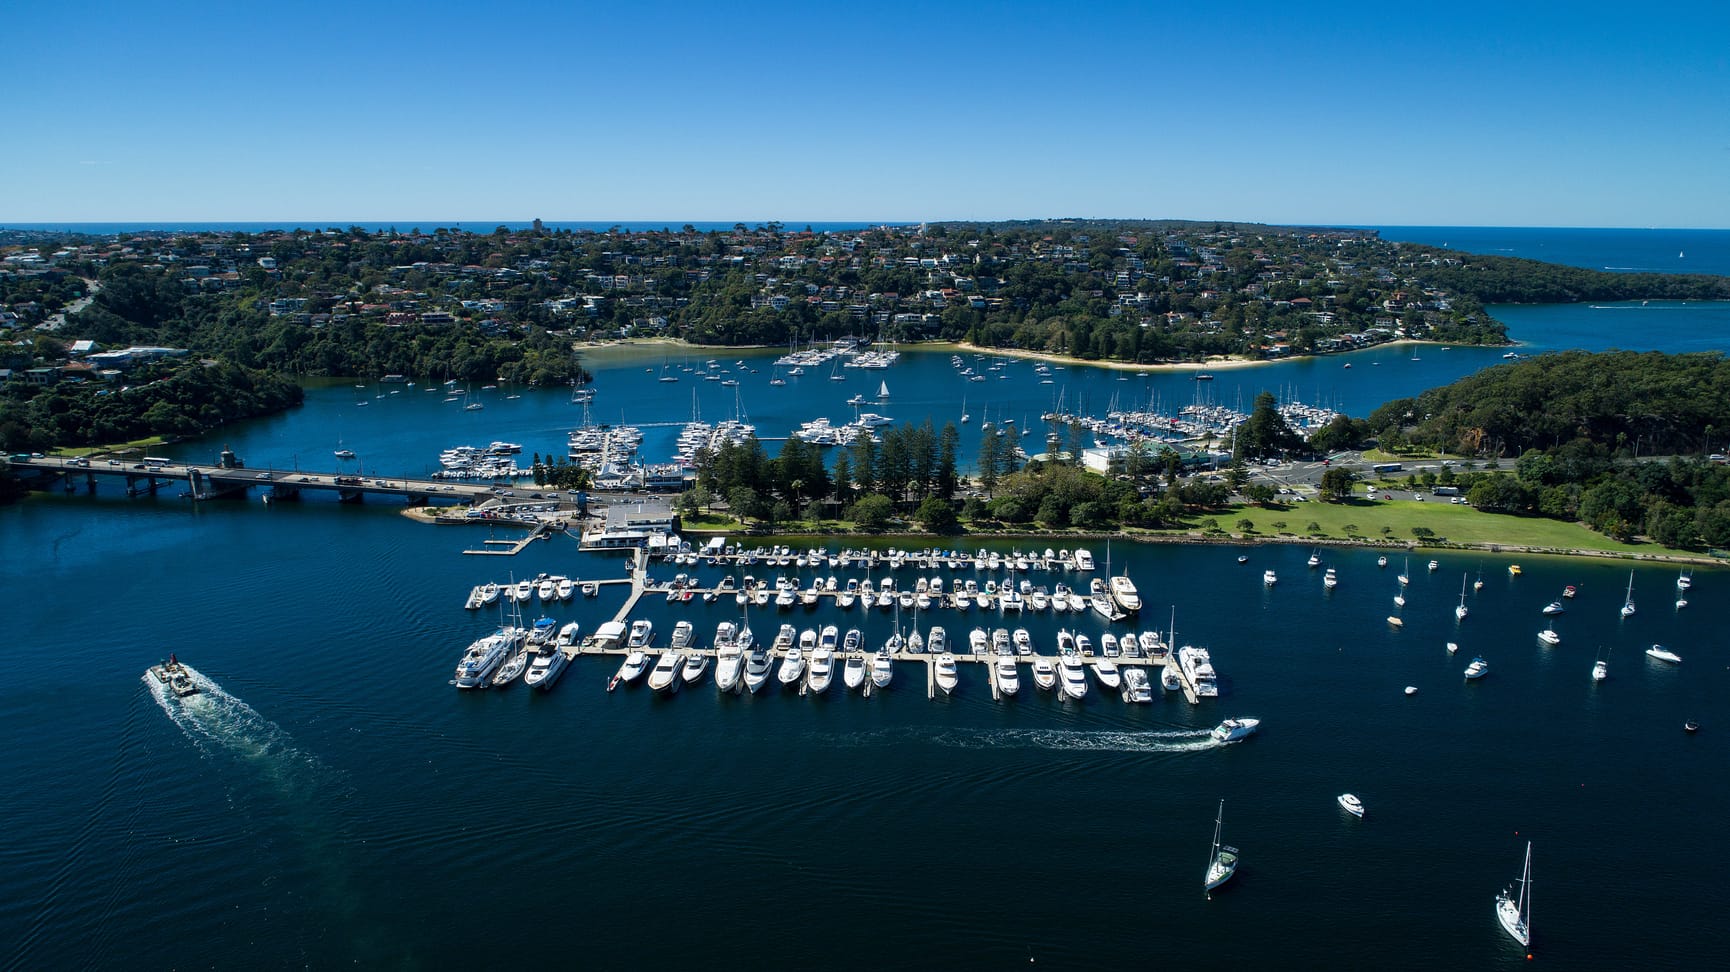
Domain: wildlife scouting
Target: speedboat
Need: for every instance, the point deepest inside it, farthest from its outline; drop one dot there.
(664, 677)
(565, 588)
(1434, 566)
(1231, 730)
(1664, 654)
(1106, 671)
(822, 668)
(1477, 668)
(1330, 579)
(1168, 678)
(1135, 685)
(946, 673)
(1600, 670)
(567, 635)
(882, 669)
(1554, 607)
(642, 633)
(1570, 591)
(1269, 578)
(1350, 803)
(1513, 570)
(1549, 636)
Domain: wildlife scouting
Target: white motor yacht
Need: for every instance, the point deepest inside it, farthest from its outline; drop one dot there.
(1071, 677)
(696, 663)
(882, 669)
(792, 666)
(634, 665)
(1269, 578)
(565, 588)
(1549, 636)
(757, 666)
(1083, 560)
(545, 668)
(1107, 672)
(567, 635)
(481, 659)
(1003, 670)
(946, 674)
(822, 668)
(1044, 673)
(1168, 678)
(1231, 730)
(853, 671)
(1023, 641)
(1350, 803)
(1136, 687)
(642, 634)
(937, 642)
(1478, 668)
(664, 677)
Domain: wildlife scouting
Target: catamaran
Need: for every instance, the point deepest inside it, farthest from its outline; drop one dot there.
(1515, 912)
(1221, 861)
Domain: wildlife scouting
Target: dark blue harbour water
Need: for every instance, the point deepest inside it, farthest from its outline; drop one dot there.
(331, 799)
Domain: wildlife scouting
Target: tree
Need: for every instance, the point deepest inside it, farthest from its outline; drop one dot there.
(1260, 493)
(871, 512)
(743, 502)
(1245, 525)
(1336, 484)
(938, 516)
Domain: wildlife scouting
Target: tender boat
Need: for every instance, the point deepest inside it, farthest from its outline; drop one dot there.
(1381, 561)
(179, 679)
(664, 677)
(1664, 654)
(1350, 803)
(1570, 591)
(1222, 861)
(1477, 668)
(1515, 911)
(1231, 730)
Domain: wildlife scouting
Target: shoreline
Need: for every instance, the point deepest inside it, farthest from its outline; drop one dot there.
(1198, 538)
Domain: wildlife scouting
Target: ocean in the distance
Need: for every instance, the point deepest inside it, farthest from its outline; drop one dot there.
(1619, 250)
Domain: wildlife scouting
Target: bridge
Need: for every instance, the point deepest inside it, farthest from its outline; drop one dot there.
(210, 482)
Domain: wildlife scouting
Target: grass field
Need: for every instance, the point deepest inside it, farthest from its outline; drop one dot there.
(1452, 524)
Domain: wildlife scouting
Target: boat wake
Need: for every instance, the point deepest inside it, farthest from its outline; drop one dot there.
(219, 723)
(1070, 740)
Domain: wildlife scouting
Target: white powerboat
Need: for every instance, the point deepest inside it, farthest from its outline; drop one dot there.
(1197, 667)
(1135, 685)
(882, 669)
(642, 634)
(1168, 678)
(696, 663)
(632, 668)
(545, 668)
(757, 666)
(1124, 593)
(1269, 578)
(792, 666)
(1330, 580)
(1083, 560)
(1549, 636)
(1044, 673)
(1664, 654)
(937, 642)
(1071, 677)
(1478, 668)
(664, 677)
(1231, 730)
(729, 657)
(853, 672)
(1106, 671)
(946, 674)
(822, 667)
(1003, 670)
(1350, 803)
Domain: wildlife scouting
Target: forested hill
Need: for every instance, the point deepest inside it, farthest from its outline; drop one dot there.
(1515, 280)
(1651, 402)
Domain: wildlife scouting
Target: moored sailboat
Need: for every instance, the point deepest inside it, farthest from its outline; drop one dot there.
(1515, 911)
(1222, 860)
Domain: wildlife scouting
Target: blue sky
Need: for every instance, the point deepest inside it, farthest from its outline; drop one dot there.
(1531, 114)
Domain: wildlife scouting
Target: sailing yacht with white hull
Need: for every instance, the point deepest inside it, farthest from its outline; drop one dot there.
(1222, 860)
(1515, 911)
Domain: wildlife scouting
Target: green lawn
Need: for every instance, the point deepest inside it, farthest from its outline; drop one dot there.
(1453, 524)
(137, 445)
